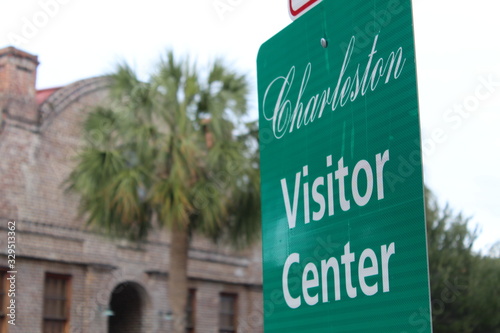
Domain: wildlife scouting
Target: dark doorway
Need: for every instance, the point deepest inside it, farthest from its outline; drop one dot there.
(127, 309)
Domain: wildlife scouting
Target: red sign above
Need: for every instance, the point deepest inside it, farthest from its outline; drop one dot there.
(299, 7)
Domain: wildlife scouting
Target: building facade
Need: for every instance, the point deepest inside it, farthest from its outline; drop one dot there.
(69, 278)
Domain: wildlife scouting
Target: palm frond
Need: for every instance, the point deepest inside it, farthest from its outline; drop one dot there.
(170, 147)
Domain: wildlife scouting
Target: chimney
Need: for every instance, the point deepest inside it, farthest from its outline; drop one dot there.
(17, 85)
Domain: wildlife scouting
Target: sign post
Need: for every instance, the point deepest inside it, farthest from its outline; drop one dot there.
(344, 236)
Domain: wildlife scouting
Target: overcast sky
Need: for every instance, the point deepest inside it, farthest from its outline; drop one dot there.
(458, 61)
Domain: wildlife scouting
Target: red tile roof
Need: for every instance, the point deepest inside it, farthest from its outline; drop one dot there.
(42, 95)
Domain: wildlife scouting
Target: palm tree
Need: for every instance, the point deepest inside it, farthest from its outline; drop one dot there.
(173, 150)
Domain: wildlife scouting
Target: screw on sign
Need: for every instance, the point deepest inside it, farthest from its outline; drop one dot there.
(298, 7)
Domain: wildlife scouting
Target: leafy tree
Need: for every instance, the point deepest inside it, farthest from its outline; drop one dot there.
(465, 294)
(484, 299)
(171, 150)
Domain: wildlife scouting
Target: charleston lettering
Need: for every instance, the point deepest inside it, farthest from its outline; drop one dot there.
(288, 113)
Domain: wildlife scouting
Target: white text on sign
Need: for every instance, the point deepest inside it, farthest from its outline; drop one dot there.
(311, 297)
(368, 262)
(285, 118)
(341, 173)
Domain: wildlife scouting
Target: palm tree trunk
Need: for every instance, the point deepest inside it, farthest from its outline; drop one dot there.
(177, 282)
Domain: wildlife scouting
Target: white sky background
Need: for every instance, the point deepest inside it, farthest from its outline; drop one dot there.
(457, 44)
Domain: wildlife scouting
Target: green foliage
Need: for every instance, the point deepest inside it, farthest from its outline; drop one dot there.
(173, 148)
(465, 293)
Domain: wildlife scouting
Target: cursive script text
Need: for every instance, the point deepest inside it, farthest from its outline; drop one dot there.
(288, 113)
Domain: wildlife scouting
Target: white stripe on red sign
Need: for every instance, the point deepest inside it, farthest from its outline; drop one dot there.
(299, 7)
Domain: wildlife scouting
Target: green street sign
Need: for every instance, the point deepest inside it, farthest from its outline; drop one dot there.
(344, 239)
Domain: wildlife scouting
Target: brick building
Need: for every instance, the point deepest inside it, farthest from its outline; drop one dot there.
(70, 279)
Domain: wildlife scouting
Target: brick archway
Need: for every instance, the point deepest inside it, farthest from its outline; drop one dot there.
(127, 304)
